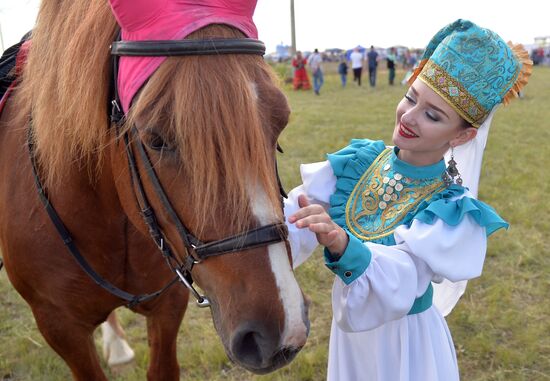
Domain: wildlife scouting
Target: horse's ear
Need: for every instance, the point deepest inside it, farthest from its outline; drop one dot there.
(132, 15)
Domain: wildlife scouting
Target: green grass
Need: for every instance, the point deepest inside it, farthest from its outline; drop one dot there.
(501, 327)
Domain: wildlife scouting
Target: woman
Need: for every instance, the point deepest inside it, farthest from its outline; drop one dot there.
(394, 220)
(301, 79)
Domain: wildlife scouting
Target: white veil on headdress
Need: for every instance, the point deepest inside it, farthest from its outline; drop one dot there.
(468, 157)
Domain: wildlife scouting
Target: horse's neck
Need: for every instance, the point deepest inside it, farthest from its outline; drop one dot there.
(89, 202)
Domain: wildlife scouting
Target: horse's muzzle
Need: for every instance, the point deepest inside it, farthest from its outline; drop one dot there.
(257, 350)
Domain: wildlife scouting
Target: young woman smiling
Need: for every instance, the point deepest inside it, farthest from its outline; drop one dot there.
(398, 223)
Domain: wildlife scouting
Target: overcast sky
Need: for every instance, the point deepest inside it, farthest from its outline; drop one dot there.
(346, 23)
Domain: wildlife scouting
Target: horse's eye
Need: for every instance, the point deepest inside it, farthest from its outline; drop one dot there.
(157, 143)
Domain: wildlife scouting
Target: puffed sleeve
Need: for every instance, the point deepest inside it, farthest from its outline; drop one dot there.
(318, 184)
(376, 284)
(452, 252)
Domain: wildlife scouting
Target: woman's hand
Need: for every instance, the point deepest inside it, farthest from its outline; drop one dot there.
(316, 219)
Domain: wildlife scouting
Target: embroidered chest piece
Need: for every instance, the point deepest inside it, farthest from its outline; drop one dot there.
(383, 199)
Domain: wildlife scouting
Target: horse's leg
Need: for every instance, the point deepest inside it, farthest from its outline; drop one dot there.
(162, 331)
(72, 340)
(116, 350)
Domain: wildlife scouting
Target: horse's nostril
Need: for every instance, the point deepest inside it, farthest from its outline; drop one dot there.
(258, 350)
(247, 348)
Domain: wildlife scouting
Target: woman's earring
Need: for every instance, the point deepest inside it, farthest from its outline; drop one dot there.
(452, 171)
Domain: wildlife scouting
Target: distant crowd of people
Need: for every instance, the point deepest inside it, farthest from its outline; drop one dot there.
(541, 56)
(358, 59)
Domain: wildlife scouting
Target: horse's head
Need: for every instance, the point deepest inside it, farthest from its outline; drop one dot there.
(209, 127)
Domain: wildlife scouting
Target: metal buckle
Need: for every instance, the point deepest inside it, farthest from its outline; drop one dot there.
(202, 301)
(194, 257)
(116, 112)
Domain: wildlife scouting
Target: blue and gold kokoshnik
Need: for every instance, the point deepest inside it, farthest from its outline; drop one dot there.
(473, 69)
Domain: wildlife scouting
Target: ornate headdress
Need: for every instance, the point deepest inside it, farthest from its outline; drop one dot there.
(146, 20)
(473, 69)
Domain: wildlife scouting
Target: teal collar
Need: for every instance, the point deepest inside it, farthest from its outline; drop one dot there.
(414, 172)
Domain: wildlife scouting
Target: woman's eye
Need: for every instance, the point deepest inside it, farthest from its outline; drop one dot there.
(409, 98)
(432, 116)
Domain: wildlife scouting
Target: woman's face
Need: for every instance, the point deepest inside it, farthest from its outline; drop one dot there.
(426, 126)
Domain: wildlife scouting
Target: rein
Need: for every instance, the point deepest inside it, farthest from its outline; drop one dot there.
(197, 251)
(132, 300)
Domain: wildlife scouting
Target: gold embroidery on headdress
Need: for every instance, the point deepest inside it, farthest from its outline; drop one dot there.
(454, 93)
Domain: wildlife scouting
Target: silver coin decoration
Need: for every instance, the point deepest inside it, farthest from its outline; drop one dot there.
(391, 185)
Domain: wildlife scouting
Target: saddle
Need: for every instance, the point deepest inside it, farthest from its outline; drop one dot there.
(11, 64)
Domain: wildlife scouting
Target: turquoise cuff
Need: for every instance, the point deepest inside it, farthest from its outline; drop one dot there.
(353, 262)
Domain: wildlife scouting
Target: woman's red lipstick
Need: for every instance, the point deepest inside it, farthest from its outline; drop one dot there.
(405, 132)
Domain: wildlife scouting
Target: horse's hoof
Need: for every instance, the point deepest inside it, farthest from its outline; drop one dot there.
(119, 352)
(116, 350)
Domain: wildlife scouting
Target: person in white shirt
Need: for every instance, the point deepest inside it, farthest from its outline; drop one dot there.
(357, 58)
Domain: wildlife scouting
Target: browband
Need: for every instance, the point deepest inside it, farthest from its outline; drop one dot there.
(211, 46)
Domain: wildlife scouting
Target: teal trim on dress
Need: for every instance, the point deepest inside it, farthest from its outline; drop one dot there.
(424, 302)
(353, 262)
(348, 166)
(453, 212)
(355, 158)
(416, 172)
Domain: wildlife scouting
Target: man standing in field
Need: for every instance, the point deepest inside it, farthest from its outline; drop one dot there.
(315, 61)
(372, 57)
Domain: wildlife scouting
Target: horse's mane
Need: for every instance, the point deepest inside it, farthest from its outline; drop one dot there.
(208, 102)
(65, 84)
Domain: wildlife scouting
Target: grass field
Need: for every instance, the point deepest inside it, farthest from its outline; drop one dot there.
(501, 327)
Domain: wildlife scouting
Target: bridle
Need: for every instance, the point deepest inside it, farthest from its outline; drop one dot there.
(197, 251)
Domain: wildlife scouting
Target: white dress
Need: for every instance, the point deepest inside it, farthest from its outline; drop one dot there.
(373, 336)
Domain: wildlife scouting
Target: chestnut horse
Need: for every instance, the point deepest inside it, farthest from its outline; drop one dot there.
(209, 125)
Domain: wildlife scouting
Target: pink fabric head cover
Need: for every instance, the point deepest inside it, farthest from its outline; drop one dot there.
(143, 20)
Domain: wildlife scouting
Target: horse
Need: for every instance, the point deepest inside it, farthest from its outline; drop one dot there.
(198, 144)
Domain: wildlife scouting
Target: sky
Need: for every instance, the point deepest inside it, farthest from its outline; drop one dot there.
(345, 24)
